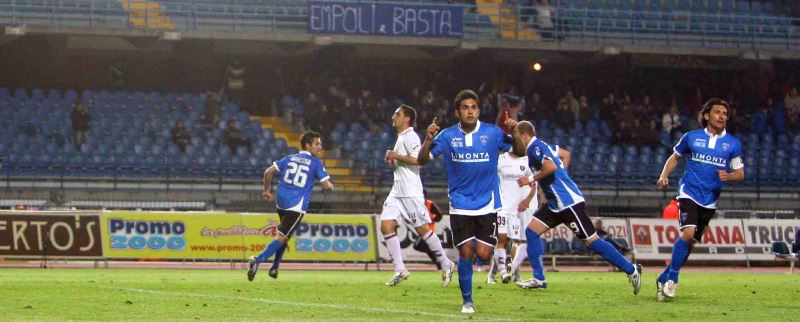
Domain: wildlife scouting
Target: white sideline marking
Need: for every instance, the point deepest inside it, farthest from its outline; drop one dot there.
(302, 304)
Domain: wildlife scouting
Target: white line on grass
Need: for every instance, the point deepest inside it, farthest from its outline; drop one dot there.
(302, 304)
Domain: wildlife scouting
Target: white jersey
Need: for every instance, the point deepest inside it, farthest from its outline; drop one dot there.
(406, 176)
(510, 168)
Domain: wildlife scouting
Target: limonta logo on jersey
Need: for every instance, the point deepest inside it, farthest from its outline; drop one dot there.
(470, 157)
(301, 160)
(709, 159)
(142, 234)
(340, 238)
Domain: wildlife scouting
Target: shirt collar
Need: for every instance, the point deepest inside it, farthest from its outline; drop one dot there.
(477, 127)
(406, 130)
(305, 152)
(724, 132)
(533, 139)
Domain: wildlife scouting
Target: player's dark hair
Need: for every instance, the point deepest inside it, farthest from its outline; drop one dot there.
(707, 109)
(409, 112)
(525, 127)
(308, 138)
(463, 95)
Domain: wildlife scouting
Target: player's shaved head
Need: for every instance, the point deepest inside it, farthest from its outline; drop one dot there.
(525, 127)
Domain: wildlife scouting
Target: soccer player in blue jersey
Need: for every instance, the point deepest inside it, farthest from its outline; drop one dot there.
(470, 150)
(713, 157)
(297, 172)
(565, 204)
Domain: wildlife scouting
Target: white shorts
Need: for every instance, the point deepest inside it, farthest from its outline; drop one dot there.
(517, 224)
(412, 210)
(502, 222)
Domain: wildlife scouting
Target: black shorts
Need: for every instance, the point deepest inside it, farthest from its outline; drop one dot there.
(574, 217)
(289, 221)
(482, 228)
(694, 215)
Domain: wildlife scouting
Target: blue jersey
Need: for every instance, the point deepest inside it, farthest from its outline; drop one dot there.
(706, 154)
(471, 162)
(297, 174)
(560, 190)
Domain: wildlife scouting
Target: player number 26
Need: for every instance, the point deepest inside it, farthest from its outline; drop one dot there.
(296, 174)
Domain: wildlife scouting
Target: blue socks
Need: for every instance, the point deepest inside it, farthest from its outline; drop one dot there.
(680, 253)
(612, 255)
(535, 252)
(465, 279)
(276, 262)
(272, 248)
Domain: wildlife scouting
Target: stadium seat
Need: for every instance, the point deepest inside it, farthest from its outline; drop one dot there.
(559, 246)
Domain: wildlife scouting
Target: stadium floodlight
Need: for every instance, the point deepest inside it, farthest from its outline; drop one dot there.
(171, 35)
(15, 30)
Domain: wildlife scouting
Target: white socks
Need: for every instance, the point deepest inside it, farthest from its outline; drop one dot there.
(393, 245)
(435, 245)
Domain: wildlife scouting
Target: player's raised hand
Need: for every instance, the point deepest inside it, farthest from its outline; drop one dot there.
(433, 128)
(662, 183)
(509, 123)
(267, 194)
(724, 176)
(523, 181)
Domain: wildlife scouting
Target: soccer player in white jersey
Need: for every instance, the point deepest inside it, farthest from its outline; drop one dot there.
(406, 201)
(517, 202)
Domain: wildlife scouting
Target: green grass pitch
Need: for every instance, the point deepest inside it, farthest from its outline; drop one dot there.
(195, 294)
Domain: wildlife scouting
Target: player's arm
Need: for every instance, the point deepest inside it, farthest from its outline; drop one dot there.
(267, 193)
(526, 202)
(736, 175)
(669, 166)
(407, 159)
(565, 156)
(327, 185)
(425, 151)
(548, 168)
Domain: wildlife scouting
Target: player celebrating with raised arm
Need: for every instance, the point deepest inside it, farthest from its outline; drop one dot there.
(406, 200)
(714, 157)
(470, 149)
(297, 172)
(565, 204)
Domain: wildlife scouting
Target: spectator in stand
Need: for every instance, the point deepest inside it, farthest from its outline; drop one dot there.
(621, 133)
(234, 137)
(584, 111)
(671, 121)
(180, 135)
(650, 135)
(80, 124)
(758, 122)
(564, 118)
(571, 104)
(609, 105)
(792, 103)
(536, 108)
(636, 136)
(212, 109)
(778, 119)
(235, 73)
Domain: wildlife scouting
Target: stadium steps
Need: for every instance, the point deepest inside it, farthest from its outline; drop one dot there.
(504, 16)
(147, 13)
(343, 177)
